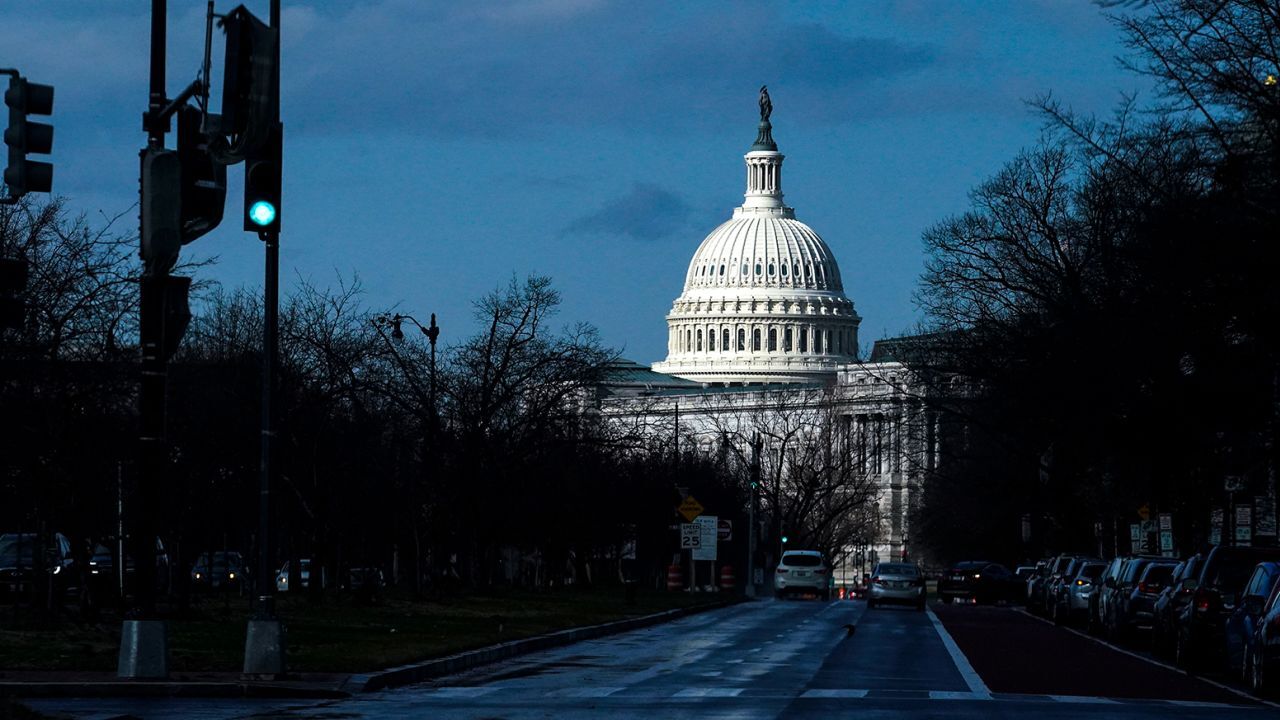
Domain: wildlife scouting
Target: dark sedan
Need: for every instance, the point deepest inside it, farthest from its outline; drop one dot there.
(979, 581)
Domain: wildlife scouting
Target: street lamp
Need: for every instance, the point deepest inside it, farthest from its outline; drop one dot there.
(432, 331)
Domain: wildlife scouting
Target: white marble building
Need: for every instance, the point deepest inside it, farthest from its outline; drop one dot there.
(763, 325)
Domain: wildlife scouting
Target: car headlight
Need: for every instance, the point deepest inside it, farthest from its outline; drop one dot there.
(231, 576)
(198, 576)
(57, 569)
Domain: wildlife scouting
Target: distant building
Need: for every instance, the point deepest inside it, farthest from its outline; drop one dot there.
(763, 331)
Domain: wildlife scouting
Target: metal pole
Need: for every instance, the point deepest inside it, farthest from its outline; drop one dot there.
(751, 515)
(270, 320)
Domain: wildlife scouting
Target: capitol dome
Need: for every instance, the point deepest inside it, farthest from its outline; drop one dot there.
(763, 301)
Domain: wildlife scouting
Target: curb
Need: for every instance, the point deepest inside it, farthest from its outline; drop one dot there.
(395, 677)
(419, 672)
(165, 689)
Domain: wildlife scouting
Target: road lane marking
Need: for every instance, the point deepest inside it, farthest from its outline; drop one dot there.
(591, 692)
(971, 678)
(1084, 700)
(464, 692)
(953, 695)
(1151, 661)
(708, 692)
(834, 693)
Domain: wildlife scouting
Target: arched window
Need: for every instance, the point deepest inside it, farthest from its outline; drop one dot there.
(699, 340)
(711, 340)
(746, 269)
(773, 339)
(786, 340)
(771, 269)
(755, 340)
(721, 271)
(724, 340)
(784, 271)
(758, 268)
(804, 340)
(742, 340)
(688, 340)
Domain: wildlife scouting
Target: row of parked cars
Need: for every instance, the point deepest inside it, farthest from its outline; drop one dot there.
(1213, 612)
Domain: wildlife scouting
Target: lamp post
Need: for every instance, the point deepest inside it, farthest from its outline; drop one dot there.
(432, 332)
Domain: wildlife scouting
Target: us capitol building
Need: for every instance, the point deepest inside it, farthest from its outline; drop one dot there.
(763, 351)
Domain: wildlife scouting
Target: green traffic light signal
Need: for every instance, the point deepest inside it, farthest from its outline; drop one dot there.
(262, 213)
(784, 539)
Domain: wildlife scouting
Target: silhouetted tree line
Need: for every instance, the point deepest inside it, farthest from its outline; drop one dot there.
(1110, 299)
(486, 467)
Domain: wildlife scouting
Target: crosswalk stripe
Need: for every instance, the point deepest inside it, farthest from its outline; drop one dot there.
(1084, 699)
(708, 692)
(834, 693)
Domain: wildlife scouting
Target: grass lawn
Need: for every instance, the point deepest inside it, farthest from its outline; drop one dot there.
(336, 635)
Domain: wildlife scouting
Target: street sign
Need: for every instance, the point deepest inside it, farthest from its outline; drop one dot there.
(690, 508)
(690, 536)
(1166, 521)
(1166, 541)
(724, 530)
(1135, 532)
(706, 548)
(1266, 516)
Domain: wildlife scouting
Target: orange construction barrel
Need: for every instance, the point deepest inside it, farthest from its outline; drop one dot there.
(727, 580)
(675, 578)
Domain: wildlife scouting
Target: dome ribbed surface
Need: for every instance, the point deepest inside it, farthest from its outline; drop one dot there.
(764, 252)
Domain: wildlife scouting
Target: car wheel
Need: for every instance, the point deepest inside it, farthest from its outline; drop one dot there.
(1182, 653)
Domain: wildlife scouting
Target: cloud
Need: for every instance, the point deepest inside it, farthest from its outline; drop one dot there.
(647, 212)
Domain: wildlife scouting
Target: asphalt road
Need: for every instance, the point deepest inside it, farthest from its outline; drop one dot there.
(769, 659)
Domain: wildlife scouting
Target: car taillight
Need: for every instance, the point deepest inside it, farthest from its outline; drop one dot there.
(1205, 600)
(1144, 588)
(782, 571)
(877, 580)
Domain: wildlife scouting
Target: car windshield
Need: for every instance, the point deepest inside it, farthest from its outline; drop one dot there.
(898, 569)
(1091, 572)
(801, 560)
(1230, 571)
(1158, 574)
(10, 546)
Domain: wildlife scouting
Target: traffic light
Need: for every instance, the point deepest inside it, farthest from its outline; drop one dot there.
(204, 181)
(25, 137)
(784, 539)
(161, 210)
(250, 83)
(262, 185)
(13, 282)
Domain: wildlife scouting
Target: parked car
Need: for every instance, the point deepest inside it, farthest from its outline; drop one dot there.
(102, 568)
(304, 575)
(221, 569)
(1202, 622)
(1264, 661)
(18, 562)
(979, 581)
(1097, 608)
(1035, 584)
(1043, 598)
(897, 582)
(1169, 604)
(1240, 631)
(1135, 607)
(1056, 594)
(1078, 591)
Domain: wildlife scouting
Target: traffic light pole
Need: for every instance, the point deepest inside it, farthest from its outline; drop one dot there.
(264, 651)
(144, 647)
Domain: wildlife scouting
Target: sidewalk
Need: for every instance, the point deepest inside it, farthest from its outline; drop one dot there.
(71, 683)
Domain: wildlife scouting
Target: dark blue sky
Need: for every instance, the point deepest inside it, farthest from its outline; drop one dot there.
(434, 149)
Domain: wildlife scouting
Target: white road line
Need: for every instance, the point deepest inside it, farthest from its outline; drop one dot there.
(1084, 700)
(1152, 661)
(590, 692)
(953, 695)
(464, 692)
(971, 678)
(834, 693)
(708, 692)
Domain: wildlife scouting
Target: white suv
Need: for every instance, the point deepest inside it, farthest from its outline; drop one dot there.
(802, 571)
